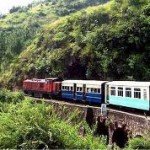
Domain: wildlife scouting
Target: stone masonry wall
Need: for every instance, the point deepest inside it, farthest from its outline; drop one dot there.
(139, 125)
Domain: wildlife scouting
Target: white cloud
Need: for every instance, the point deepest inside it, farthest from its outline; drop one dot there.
(6, 5)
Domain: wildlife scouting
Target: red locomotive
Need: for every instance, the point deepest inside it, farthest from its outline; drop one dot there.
(49, 87)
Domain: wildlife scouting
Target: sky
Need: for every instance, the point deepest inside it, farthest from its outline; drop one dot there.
(6, 5)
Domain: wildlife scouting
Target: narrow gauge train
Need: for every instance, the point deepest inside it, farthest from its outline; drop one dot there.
(129, 94)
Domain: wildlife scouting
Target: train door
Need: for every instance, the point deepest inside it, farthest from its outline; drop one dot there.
(106, 95)
(74, 91)
(149, 99)
(84, 92)
(104, 92)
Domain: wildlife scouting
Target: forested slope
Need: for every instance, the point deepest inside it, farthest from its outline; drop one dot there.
(20, 26)
(106, 41)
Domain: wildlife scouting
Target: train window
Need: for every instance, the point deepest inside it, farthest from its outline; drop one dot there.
(95, 90)
(66, 88)
(88, 90)
(79, 89)
(92, 90)
(145, 94)
(71, 88)
(99, 91)
(137, 93)
(128, 92)
(120, 91)
(113, 91)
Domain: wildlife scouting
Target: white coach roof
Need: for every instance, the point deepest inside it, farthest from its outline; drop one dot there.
(82, 82)
(129, 83)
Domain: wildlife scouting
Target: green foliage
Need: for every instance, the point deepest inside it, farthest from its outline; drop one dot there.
(109, 41)
(30, 125)
(146, 10)
(23, 24)
(8, 96)
(139, 143)
(14, 9)
(12, 41)
(65, 7)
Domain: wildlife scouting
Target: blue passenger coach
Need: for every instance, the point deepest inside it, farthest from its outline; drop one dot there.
(67, 89)
(95, 91)
(83, 90)
(130, 94)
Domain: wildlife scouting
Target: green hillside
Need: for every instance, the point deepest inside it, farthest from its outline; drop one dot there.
(72, 40)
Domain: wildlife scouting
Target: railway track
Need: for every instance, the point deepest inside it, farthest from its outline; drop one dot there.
(110, 109)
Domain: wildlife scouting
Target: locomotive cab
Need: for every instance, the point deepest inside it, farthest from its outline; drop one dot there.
(48, 87)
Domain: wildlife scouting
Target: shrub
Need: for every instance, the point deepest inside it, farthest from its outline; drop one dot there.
(30, 125)
(8, 96)
(139, 143)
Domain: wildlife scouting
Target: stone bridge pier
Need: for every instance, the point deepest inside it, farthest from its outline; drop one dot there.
(139, 125)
